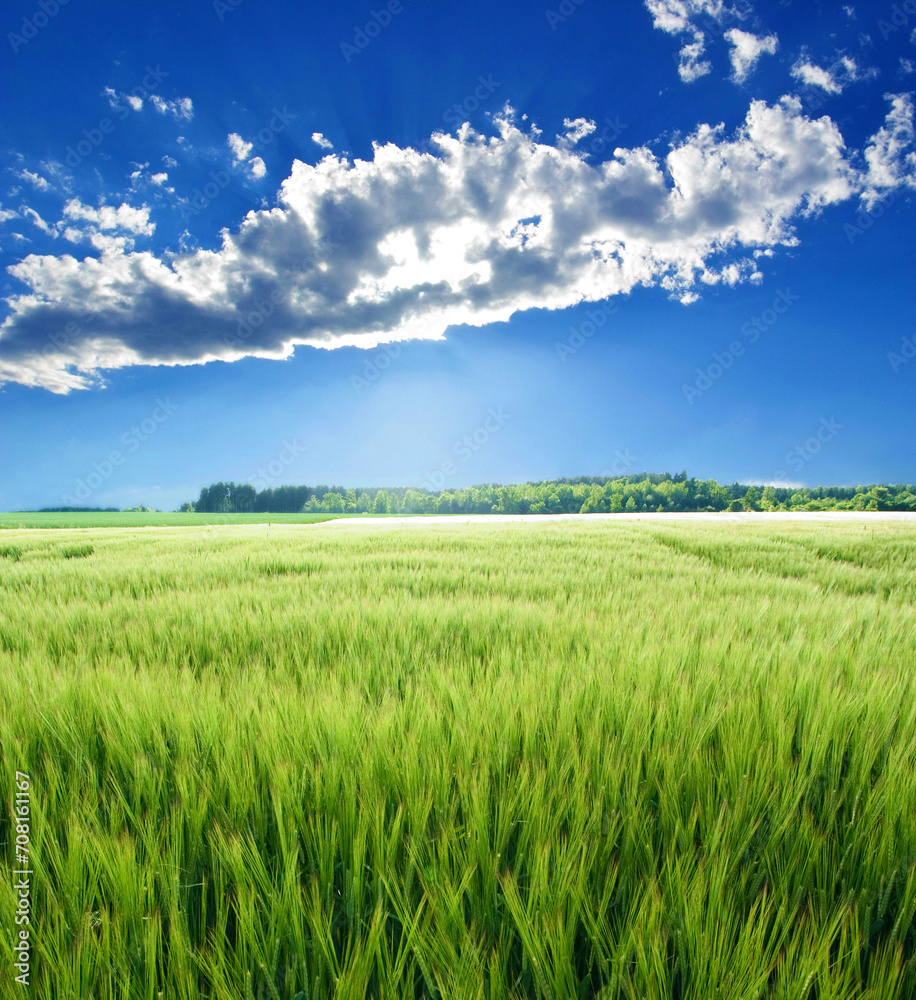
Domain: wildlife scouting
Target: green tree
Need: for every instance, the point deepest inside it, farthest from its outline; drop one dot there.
(333, 503)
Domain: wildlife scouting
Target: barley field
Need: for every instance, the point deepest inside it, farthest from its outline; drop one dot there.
(625, 760)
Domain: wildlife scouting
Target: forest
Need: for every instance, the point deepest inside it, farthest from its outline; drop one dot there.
(655, 492)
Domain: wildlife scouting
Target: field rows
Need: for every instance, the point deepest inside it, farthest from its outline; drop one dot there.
(618, 760)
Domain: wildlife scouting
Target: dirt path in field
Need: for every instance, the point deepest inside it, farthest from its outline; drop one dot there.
(460, 520)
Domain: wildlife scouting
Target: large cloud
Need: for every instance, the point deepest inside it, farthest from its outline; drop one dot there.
(409, 243)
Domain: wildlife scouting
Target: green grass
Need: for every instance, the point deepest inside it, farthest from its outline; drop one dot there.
(100, 519)
(626, 760)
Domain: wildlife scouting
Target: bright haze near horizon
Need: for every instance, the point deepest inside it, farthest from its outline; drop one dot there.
(407, 244)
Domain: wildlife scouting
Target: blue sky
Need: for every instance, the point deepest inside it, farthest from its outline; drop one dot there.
(284, 243)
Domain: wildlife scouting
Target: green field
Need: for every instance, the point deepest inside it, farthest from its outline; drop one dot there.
(625, 760)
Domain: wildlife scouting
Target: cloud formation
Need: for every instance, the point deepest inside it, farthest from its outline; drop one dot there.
(241, 151)
(890, 156)
(834, 80)
(181, 108)
(36, 180)
(747, 48)
(679, 17)
(407, 244)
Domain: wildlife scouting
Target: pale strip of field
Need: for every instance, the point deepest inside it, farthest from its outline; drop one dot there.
(458, 520)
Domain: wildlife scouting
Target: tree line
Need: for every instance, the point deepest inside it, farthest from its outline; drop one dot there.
(656, 492)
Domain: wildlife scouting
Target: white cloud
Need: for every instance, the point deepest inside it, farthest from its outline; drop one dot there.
(38, 222)
(240, 148)
(816, 76)
(320, 140)
(680, 17)
(169, 162)
(849, 71)
(409, 243)
(241, 151)
(574, 131)
(889, 154)
(691, 66)
(142, 176)
(134, 220)
(845, 70)
(907, 66)
(182, 107)
(110, 244)
(677, 16)
(134, 102)
(7, 213)
(747, 48)
(35, 180)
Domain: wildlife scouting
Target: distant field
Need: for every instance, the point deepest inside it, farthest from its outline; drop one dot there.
(30, 519)
(605, 760)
